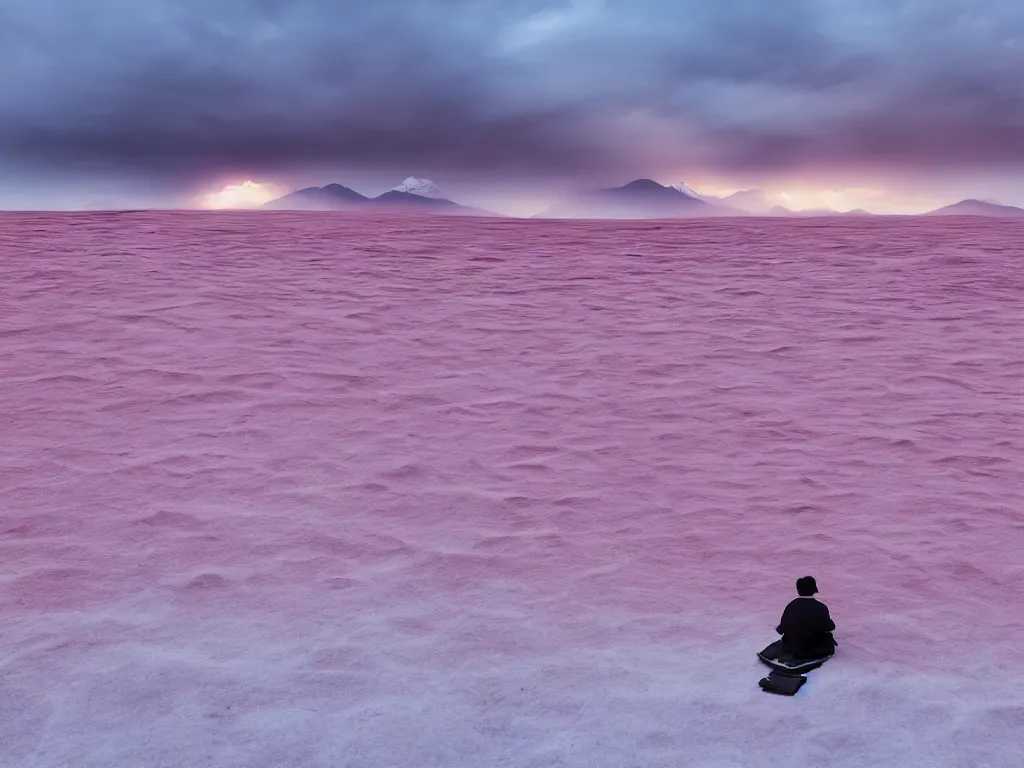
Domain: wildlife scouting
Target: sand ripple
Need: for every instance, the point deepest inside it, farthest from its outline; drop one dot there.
(329, 490)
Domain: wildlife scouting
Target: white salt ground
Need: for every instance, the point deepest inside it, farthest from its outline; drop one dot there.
(307, 490)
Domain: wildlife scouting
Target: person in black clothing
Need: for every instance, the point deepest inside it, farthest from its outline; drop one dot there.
(806, 627)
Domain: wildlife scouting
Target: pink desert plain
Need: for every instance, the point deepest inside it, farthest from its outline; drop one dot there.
(300, 489)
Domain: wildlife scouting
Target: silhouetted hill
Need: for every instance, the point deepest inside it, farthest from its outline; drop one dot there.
(407, 201)
(426, 198)
(333, 197)
(640, 199)
(977, 208)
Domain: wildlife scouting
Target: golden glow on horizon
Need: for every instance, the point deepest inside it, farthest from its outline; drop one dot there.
(796, 196)
(248, 194)
(807, 198)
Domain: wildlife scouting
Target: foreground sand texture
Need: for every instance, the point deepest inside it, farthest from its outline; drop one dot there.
(314, 490)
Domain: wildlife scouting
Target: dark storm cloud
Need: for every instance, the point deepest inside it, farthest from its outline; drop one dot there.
(174, 87)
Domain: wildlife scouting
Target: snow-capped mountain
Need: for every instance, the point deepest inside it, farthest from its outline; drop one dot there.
(420, 187)
(689, 191)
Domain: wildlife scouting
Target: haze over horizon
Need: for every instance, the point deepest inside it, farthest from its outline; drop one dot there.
(893, 107)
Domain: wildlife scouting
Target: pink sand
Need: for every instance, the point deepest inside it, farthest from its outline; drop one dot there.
(318, 490)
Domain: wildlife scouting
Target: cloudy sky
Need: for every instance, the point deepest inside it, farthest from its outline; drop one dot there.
(876, 103)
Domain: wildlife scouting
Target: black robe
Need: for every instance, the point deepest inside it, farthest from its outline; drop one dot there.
(806, 629)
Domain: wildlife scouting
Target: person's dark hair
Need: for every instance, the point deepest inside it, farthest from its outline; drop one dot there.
(806, 586)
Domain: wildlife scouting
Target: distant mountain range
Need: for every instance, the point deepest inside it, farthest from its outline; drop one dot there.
(640, 199)
(646, 199)
(411, 195)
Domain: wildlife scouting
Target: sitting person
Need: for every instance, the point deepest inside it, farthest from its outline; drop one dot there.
(806, 627)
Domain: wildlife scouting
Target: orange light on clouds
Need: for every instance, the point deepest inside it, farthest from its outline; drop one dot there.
(248, 194)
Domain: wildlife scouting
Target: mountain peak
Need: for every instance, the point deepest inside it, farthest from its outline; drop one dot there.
(643, 184)
(331, 197)
(687, 190)
(972, 207)
(420, 187)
